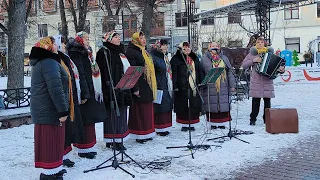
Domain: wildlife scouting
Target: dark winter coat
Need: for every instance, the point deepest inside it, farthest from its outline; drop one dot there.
(135, 57)
(162, 82)
(124, 98)
(49, 88)
(260, 86)
(180, 81)
(74, 129)
(217, 102)
(92, 111)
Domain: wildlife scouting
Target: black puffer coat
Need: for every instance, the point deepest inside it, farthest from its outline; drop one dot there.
(135, 57)
(92, 111)
(124, 98)
(162, 82)
(180, 81)
(49, 88)
(74, 129)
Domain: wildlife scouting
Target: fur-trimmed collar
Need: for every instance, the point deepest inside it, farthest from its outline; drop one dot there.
(113, 47)
(37, 54)
(192, 55)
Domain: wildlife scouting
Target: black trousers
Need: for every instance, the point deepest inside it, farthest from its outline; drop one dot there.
(256, 107)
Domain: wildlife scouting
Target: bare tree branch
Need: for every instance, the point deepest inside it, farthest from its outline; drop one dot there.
(4, 29)
(74, 14)
(28, 9)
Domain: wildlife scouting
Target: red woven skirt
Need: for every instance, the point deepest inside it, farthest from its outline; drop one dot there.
(163, 121)
(183, 118)
(48, 145)
(89, 139)
(220, 117)
(141, 121)
(120, 127)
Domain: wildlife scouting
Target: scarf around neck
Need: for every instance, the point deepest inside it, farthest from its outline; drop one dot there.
(149, 67)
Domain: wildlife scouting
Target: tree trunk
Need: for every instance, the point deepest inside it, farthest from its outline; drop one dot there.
(83, 9)
(16, 42)
(146, 18)
(64, 25)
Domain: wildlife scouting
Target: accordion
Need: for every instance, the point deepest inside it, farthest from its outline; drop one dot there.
(269, 65)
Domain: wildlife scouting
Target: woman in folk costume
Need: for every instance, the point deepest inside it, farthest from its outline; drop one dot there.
(260, 86)
(113, 51)
(92, 106)
(181, 81)
(216, 95)
(162, 111)
(51, 93)
(141, 116)
(74, 129)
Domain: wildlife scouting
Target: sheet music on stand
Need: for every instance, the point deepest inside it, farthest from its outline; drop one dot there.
(130, 78)
(212, 76)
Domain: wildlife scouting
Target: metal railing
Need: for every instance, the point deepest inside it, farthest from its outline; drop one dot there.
(15, 98)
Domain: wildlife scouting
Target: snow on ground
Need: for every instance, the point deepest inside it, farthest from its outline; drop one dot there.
(16, 145)
(4, 80)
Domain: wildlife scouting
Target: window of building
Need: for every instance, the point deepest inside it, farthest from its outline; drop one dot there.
(87, 26)
(234, 17)
(292, 44)
(42, 30)
(49, 6)
(236, 43)
(130, 25)
(207, 21)
(130, 22)
(291, 11)
(181, 19)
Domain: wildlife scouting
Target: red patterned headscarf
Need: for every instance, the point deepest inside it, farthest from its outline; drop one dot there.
(46, 43)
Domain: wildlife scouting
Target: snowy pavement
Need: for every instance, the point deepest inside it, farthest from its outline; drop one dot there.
(16, 145)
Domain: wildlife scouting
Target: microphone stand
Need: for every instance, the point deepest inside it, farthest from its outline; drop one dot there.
(190, 145)
(231, 133)
(113, 111)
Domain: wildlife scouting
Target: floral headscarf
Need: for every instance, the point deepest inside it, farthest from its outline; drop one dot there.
(46, 43)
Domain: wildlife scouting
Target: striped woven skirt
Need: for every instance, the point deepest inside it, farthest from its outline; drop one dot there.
(218, 119)
(141, 121)
(48, 147)
(163, 121)
(183, 119)
(120, 127)
(89, 139)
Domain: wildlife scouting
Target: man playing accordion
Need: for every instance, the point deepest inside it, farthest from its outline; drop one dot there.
(260, 86)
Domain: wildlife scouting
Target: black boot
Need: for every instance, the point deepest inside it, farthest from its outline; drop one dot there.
(252, 122)
(87, 155)
(141, 141)
(184, 129)
(51, 177)
(121, 147)
(68, 163)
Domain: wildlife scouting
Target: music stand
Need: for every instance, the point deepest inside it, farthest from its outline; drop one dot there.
(128, 81)
(190, 145)
(231, 134)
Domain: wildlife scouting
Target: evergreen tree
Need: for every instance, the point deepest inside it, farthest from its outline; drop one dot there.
(295, 58)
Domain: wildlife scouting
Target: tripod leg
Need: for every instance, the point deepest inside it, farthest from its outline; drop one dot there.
(241, 140)
(107, 160)
(133, 160)
(97, 168)
(217, 138)
(126, 171)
